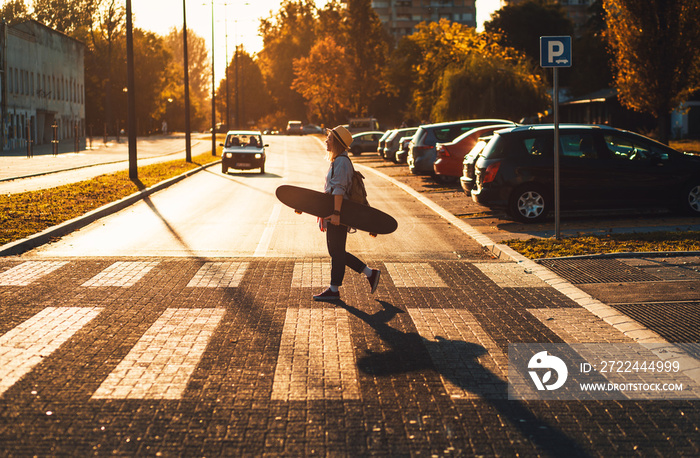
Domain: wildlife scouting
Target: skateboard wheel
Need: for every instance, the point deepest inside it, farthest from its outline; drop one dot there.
(372, 234)
(298, 212)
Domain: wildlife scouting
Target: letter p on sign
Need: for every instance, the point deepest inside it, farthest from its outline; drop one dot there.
(555, 51)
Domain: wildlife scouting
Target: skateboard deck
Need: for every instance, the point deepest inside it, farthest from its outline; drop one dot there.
(352, 214)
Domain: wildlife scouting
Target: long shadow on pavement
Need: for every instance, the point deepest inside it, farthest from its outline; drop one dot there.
(411, 352)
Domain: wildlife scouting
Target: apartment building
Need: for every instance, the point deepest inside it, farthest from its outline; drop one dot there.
(42, 85)
(401, 16)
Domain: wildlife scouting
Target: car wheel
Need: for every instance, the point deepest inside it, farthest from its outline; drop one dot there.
(529, 204)
(262, 168)
(356, 151)
(691, 198)
(224, 170)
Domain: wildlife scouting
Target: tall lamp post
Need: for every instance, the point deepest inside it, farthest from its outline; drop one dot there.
(133, 167)
(213, 87)
(188, 130)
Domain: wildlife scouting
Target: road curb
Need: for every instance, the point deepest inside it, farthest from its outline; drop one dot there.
(626, 325)
(41, 238)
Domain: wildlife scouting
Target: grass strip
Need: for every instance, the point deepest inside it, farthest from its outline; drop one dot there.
(27, 213)
(610, 243)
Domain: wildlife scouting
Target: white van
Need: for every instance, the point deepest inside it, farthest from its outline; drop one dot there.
(357, 125)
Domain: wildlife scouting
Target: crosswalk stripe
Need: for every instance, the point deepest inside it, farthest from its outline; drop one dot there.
(311, 274)
(219, 275)
(414, 275)
(162, 361)
(29, 271)
(509, 275)
(470, 363)
(25, 346)
(316, 358)
(121, 274)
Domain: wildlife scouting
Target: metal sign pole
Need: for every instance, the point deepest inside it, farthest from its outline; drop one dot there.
(557, 233)
(555, 52)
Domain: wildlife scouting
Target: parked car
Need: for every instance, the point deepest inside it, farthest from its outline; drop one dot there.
(294, 128)
(392, 142)
(311, 129)
(243, 150)
(469, 163)
(600, 167)
(382, 139)
(421, 150)
(450, 156)
(402, 152)
(364, 142)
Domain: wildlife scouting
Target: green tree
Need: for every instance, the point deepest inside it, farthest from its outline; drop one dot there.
(521, 25)
(287, 35)
(591, 67)
(107, 24)
(483, 87)
(245, 78)
(367, 45)
(656, 54)
(200, 80)
(71, 17)
(14, 12)
(456, 72)
(322, 79)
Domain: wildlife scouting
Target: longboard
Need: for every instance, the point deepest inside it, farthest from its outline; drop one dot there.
(358, 216)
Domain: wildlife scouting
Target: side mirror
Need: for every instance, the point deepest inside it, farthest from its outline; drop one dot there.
(266, 146)
(221, 144)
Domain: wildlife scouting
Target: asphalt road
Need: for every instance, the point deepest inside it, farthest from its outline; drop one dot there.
(215, 215)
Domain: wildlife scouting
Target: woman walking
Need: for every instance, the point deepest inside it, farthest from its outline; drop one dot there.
(338, 183)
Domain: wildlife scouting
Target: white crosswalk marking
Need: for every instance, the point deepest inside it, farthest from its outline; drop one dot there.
(27, 272)
(414, 275)
(311, 274)
(510, 275)
(470, 363)
(316, 358)
(219, 275)
(121, 274)
(28, 344)
(162, 361)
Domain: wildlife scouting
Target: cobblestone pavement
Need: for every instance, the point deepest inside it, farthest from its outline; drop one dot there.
(231, 357)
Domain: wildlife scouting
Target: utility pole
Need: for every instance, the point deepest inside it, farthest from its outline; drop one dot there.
(131, 95)
(213, 87)
(188, 130)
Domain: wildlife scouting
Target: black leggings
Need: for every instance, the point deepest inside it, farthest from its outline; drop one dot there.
(336, 237)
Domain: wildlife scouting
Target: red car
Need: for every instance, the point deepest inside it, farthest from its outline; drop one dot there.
(448, 166)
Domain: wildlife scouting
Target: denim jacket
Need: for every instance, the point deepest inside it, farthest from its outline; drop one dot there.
(339, 176)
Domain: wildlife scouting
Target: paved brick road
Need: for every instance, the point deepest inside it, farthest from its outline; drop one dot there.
(232, 357)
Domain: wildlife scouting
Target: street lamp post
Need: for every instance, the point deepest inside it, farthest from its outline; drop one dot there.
(188, 133)
(133, 167)
(213, 87)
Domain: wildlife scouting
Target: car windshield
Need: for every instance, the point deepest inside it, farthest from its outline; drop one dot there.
(233, 140)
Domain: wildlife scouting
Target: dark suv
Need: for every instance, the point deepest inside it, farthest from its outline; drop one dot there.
(600, 167)
(421, 150)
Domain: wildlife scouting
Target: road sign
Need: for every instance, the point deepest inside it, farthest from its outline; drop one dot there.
(555, 51)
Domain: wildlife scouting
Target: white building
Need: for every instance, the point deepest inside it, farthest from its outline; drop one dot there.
(43, 84)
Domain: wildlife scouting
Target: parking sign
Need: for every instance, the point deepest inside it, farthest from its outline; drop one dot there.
(555, 52)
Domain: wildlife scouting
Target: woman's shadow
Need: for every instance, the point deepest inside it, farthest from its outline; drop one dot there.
(457, 362)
